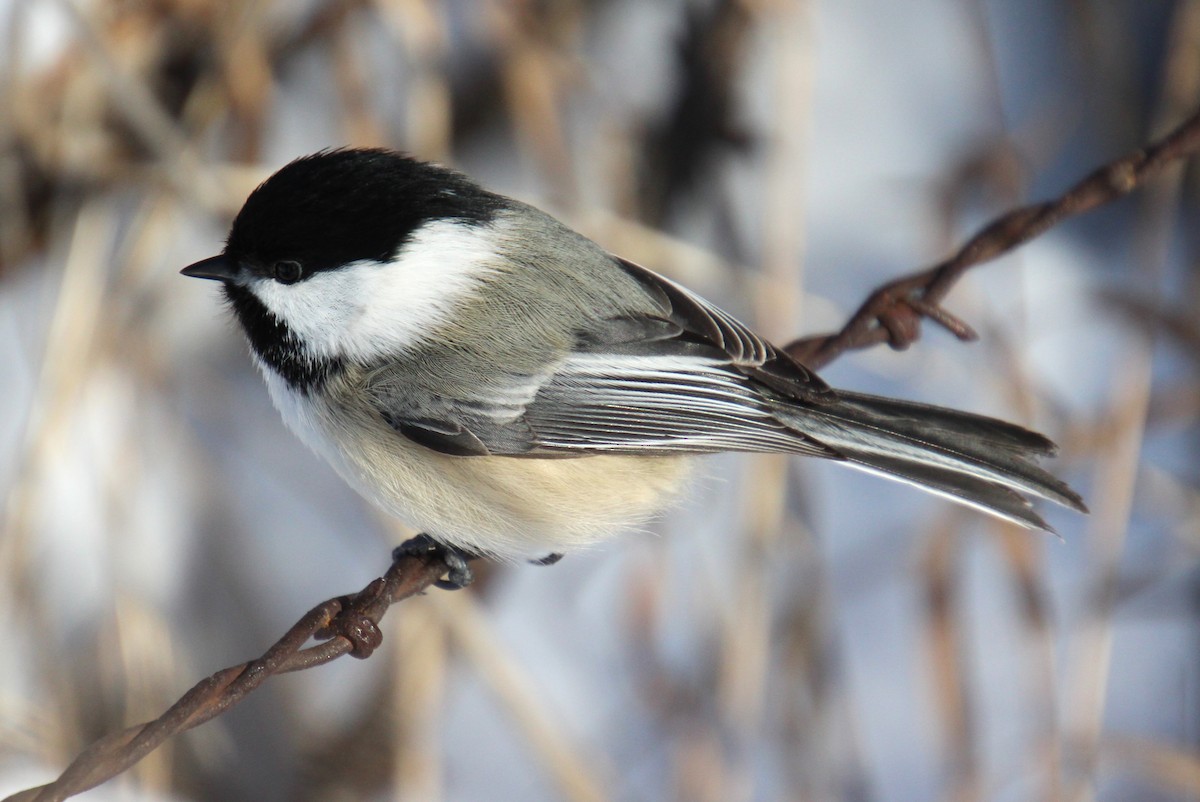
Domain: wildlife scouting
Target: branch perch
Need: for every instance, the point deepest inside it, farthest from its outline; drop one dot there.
(346, 624)
(893, 312)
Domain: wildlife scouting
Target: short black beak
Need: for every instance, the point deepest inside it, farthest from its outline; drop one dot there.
(219, 268)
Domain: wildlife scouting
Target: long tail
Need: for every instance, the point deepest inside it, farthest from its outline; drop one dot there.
(975, 460)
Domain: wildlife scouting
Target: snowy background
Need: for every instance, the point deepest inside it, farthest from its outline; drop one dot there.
(792, 630)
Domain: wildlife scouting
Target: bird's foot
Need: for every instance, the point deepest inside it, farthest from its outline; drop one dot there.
(458, 573)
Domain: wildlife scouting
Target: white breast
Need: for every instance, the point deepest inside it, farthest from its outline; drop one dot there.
(304, 417)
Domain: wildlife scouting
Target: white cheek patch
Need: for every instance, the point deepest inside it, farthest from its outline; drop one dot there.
(371, 309)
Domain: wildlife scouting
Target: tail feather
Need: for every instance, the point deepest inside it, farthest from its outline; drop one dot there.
(915, 418)
(979, 461)
(981, 494)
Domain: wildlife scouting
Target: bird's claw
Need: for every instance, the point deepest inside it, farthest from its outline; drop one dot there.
(458, 572)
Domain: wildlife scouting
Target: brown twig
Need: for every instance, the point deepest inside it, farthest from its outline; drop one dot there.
(347, 624)
(894, 311)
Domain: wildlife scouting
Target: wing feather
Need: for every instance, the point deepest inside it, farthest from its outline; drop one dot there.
(680, 376)
(661, 404)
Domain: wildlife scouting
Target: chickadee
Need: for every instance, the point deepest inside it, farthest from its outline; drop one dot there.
(510, 388)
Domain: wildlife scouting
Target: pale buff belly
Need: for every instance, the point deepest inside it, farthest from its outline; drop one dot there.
(506, 506)
(515, 507)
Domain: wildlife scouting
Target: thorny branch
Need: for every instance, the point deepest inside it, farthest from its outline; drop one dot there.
(894, 311)
(349, 624)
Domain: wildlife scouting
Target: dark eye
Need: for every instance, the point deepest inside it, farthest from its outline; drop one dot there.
(287, 271)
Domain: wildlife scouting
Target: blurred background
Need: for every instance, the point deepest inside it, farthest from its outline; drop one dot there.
(792, 630)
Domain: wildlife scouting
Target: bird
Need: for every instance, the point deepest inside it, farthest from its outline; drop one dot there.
(512, 390)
